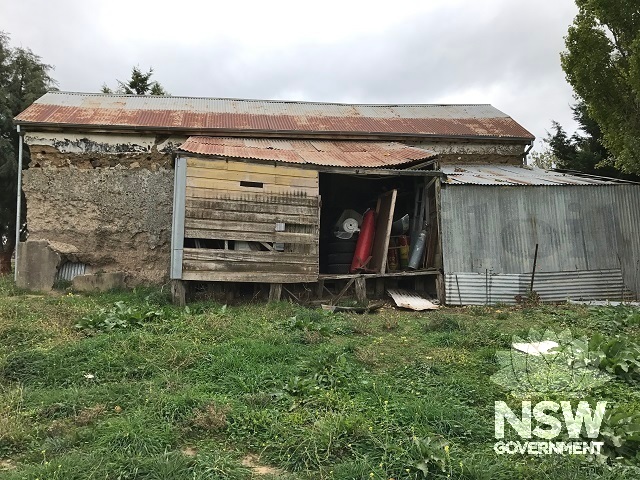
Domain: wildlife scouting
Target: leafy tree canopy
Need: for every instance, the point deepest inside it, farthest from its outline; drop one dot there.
(139, 84)
(23, 79)
(602, 64)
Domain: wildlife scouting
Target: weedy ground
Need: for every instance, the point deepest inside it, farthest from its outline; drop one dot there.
(123, 385)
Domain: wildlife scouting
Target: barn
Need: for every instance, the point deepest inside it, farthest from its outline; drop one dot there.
(271, 195)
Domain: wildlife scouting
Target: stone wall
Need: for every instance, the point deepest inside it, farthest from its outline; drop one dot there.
(103, 199)
(474, 152)
(112, 218)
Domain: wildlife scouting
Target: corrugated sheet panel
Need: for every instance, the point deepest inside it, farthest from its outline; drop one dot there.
(501, 175)
(481, 289)
(69, 270)
(584, 285)
(316, 152)
(487, 289)
(211, 114)
(577, 228)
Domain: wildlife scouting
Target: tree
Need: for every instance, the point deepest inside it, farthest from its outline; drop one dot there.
(602, 64)
(23, 79)
(139, 84)
(584, 150)
(544, 159)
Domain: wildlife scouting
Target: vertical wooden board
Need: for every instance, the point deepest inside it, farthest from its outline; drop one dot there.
(385, 210)
(439, 261)
(179, 292)
(177, 224)
(275, 291)
(361, 290)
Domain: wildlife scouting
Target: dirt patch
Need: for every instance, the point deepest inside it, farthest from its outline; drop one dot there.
(189, 452)
(253, 462)
(7, 465)
(211, 418)
(89, 415)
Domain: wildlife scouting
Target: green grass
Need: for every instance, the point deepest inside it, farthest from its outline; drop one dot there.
(191, 393)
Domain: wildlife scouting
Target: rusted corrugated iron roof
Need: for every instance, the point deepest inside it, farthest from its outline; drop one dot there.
(208, 115)
(340, 153)
(515, 175)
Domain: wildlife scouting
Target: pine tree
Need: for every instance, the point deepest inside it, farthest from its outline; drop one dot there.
(139, 84)
(23, 79)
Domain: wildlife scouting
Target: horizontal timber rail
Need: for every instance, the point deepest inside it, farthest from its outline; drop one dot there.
(346, 276)
(382, 172)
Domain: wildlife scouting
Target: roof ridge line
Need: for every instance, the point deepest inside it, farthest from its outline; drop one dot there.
(308, 102)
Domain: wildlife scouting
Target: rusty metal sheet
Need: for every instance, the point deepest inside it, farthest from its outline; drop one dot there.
(318, 152)
(411, 300)
(202, 114)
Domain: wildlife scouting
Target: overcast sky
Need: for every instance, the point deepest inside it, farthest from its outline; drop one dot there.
(503, 52)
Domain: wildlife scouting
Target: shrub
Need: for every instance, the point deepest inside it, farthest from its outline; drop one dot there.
(619, 356)
(121, 315)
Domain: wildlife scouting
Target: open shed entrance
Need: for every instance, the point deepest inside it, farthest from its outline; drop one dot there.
(405, 250)
(251, 211)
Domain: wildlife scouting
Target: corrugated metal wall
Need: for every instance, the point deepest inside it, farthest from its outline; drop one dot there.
(70, 270)
(490, 288)
(495, 229)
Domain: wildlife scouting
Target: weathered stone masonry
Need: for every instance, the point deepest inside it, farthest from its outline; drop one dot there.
(102, 202)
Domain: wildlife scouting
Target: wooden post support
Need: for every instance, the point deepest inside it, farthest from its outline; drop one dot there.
(320, 289)
(361, 290)
(275, 292)
(343, 291)
(440, 289)
(179, 292)
(229, 292)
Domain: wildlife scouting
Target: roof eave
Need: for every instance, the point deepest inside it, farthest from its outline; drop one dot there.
(269, 133)
(401, 169)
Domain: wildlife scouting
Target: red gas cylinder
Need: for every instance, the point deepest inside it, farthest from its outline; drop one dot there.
(365, 242)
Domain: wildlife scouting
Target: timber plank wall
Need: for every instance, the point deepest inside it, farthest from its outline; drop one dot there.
(252, 202)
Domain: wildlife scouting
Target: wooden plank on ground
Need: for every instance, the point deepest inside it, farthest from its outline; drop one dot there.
(384, 219)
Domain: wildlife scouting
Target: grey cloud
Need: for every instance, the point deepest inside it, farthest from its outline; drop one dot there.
(508, 57)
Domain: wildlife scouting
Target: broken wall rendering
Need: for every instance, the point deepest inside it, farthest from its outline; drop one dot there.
(101, 200)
